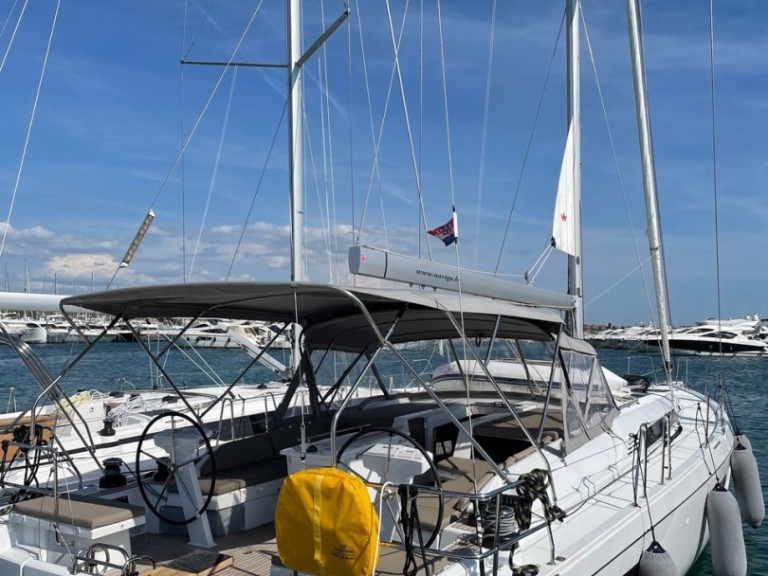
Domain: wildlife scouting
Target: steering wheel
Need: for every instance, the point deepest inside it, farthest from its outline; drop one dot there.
(168, 468)
(421, 480)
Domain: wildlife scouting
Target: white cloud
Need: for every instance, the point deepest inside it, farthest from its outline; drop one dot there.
(279, 261)
(25, 233)
(82, 266)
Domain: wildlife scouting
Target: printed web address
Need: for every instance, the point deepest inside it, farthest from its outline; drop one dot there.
(445, 277)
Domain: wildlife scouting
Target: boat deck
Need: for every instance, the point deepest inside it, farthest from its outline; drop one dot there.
(252, 551)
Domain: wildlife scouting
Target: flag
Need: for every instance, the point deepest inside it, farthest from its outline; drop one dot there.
(447, 232)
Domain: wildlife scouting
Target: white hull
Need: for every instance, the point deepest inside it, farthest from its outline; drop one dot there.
(607, 533)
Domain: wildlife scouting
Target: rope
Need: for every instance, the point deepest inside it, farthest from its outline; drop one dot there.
(534, 487)
(410, 520)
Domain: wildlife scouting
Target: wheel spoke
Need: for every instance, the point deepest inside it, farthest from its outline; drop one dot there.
(391, 432)
(174, 422)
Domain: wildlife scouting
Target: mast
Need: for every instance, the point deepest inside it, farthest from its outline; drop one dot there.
(296, 60)
(295, 138)
(649, 178)
(575, 273)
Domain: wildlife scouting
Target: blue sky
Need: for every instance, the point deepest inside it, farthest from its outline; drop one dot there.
(116, 105)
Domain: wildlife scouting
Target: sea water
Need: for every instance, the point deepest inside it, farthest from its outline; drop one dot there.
(125, 366)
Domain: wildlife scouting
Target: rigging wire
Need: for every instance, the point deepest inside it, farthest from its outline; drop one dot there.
(633, 236)
(639, 266)
(332, 219)
(449, 148)
(31, 123)
(203, 21)
(406, 115)
(529, 145)
(258, 187)
(216, 165)
(324, 219)
(375, 174)
(484, 137)
(456, 250)
(207, 104)
(714, 164)
(8, 18)
(15, 29)
(721, 363)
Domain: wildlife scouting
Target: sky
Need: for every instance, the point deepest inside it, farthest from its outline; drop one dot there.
(118, 126)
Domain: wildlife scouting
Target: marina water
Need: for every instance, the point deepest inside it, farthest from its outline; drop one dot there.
(125, 367)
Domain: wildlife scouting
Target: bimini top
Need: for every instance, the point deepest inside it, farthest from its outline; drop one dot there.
(332, 315)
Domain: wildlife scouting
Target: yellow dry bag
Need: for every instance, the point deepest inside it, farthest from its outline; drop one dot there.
(326, 524)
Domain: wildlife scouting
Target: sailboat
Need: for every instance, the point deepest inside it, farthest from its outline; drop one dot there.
(530, 464)
(388, 469)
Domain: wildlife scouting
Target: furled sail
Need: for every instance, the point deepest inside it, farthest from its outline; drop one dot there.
(564, 223)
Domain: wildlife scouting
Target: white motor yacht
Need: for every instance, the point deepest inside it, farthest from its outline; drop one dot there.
(713, 340)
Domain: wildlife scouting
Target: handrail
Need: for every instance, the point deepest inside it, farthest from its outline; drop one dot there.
(266, 396)
(640, 451)
(224, 401)
(88, 560)
(11, 405)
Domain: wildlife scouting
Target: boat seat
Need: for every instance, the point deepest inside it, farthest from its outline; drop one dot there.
(254, 460)
(85, 512)
(239, 477)
(232, 455)
(36, 527)
(457, 476)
